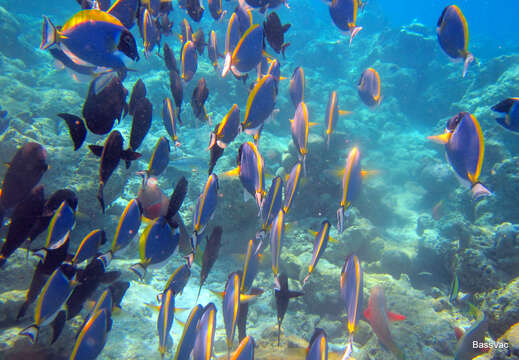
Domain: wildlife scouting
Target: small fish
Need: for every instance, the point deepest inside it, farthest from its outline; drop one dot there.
(194, 9)
(165, 321)
(60, 224)
(275, 33)
(297, 86)
(211, 250)
(89, 246)
(300, 126)
(200, 94)
(260, 104)
(160, 158)
(378, 317)
(454, 289)
(465, 148)
(510, 108)
(277, 233)
(245, 350)
(204, 208)
(189, 61)
(453, 35)
(318, 346)
(351, 185)
(76, 129)
(231, 308)
(204, 342)
(127, 227)
(111, 153)
(177, 281)
(157, 243)
(344, 16)
(212, 48)
(369, 87)
(352, 285)
(247, 53)
(92, 337)
(465, 349)
(227, 130)
(332, 115)
(25, 170)
(169, 58)
(292, 186)
(186, 33)
(272, 204)
(169, 119)
(189, 334)
(320, 243)
(215, 8)
(283, 295)
(149, 32)
(141, 124)
(138, 93)
(177, 91)
(250, 265)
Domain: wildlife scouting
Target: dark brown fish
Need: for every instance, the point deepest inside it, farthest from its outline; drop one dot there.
(283, 296)
(199, 41)
(216, 153)
(25, 215)
(24, 172)
(211, 250)
(199, 98)
(177, 91)
(141, 123)
(176, 200)
(111, 153)
(169, 58)
(76, 129)
(138, 93)
(194, 9)
(275, 33)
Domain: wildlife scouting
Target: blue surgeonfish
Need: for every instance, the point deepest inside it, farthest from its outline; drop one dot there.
(232, 35)
(204, 208)
(351, 293)
(215, 8)
(89, 246)
(157, 243)
(510, 109)
(244, 16)
(369, 87)
(60, 224)
(300, 125)
(92, 337)
(165, 321)
(51, 301)
(351, 185)
(127, 227)
(227, 130)
(344, 15)
(250, 265)
(92, 37)
(125, 11)
(247, 53)
(332, 115)
(212, 248)
(187, 339)
(465, 149)
(320, 242)
(272, 204)
(453, 35)
(292, 186)
(160, 158)
(212, 49)
(245, 350)
(277, 233)
(260, 104)
(203, 347)
(231, 308)
(177, 281)
(169, 117)
(149, 32)
(297, 86)
(189, 61)
(318, 346)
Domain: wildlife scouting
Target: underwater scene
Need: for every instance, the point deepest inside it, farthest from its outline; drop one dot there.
(259, 179)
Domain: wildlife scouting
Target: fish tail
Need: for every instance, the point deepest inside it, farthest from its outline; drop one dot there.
(354, 31)
(199, 290)
(479, 190)
(468, 59)
(32, 333)
(49, 34)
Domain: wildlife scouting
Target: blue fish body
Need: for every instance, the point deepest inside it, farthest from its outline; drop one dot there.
(297, 86)
(203, 347)
(187, 340)
(252, 170)
(244, 18)
(160, 158)
(128, 226)
(189, 61)
(165, 321)
(61, 223)
(247, 53)
(260, 104)
(299, 127)
(231, 307)
(227, 130)
(250, 266)
(206, 204)
(92, 337)
(351, 290)
(352, 180)
(245, 350)
(273, 202)
(89, 246)
(178, 280)
(158, 243)
(320, 243)
(369, 87)
(169, 120)
(232, 35)
(318, 346)
(344, 13)
(292, 186)
(510, 108)
(277, 233)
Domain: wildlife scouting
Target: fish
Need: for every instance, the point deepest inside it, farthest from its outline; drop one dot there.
(454, 289)
(189, 61)
(189, 334)
(149, 32)
(274, 32)
(369, 87)
(465, 349)
(244, 17)
(227, 130)
(352, 284)
(198, 99)
(60, 224)
(153, 201)
(215, 8)
(165, 321)
(465, 148)
(277, 233)
(204, 342)
(141, 124)
(292, 186)
(378, 317)
(260, 104)
(332, 115)
(76, 128)
(204, 208)
(344, 16)
(320, 242)
(177, 281)
(177, 91)
(300, 126)
(89, 38)
(127, 226)
(186, 33)
(111, 153)
(157, 243)
(318, 346)
(510, 108)
(297, 86)
(24, 172)
(351, 185)
(210, 255)
(169, 58)
(245, 350)
(125, 11)
(199, 41)
(212, 48)
(231, 308)
(23, 218)
(247, 53)
(283, 295)
(160, 158)
(63, 61)
(272, 204)
(453, 35)
(89, 246)
(50, 302)
(169, 119)
(194, 9)
(138, 93)
(176, 200)
(92, 337)
(250, 265)
(216, 152)
(232, 35)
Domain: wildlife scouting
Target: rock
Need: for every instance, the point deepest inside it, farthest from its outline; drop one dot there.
(501, 307)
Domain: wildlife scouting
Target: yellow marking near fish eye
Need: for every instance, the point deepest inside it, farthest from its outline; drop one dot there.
(473, 177)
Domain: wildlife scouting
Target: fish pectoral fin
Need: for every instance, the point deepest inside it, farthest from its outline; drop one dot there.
(344, 112)
(332, 240)
(395, 317)
(153, 306)
(311, 232)
(97, 150)
(368, 173)
(233, 172)
(440, 139)
(220, 294)
(310, 124)
(130, 155)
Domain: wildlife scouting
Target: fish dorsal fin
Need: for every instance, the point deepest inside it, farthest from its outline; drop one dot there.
(285, 27)
(395, 317)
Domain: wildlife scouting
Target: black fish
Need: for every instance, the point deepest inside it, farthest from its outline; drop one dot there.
(176, 200)
(177, 91)
(283, 296)
(52, 259)
(24, 216)
(216, 153)
(199, 41)
(125, 11)
(51, 205)
(105, 102)
(275, 33)
(25, 171)
(76, 129)
(211, 250)
(141, 123)
(169, 58)
(200, 94)
(243, 313)
(138, 93)
(194, 9)
(111, 153)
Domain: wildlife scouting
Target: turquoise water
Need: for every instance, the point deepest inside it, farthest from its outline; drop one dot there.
(413, 225)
